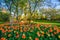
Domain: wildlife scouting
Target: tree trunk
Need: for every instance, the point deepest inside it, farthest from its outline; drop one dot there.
(11, 21)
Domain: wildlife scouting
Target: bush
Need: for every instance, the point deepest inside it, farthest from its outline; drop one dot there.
(4, 17)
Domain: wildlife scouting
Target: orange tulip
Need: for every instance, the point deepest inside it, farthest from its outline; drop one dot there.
(17, 36)
(55, 32)
(36, 38)
(58, 30)
(3, 31)
(1, 25)
(46, 26)
(23, 36)
(38, 25)
(25, 29)
(38, 34)
(3, 38)
(9, 30)
(55, 27)
(1, 28)
(17, 33)
(21, 23)
(9, 35)
(50, 30)
(8, 27)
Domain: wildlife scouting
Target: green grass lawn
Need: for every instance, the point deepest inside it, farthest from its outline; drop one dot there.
(1, 22)
(47, 22)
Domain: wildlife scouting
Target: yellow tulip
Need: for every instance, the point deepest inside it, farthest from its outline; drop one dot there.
(58, 36)
(48, 34)
(30, 37)
(14, 31)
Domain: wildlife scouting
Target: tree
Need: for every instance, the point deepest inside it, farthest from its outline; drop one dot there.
(24, 5)
(9, 6)
(4, 16)
(32, 8)
(19, 5)
(50, 13)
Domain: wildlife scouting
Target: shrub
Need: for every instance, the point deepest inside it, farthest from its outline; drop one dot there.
(4, 17)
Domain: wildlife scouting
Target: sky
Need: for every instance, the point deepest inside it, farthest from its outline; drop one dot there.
(2, 4)
(57, 3)
(53, 3)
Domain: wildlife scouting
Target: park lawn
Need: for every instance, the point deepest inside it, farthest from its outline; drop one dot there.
(58, 24)
(1, 22)
(47, 22)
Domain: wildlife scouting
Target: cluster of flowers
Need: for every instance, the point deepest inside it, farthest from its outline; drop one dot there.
(30, 32)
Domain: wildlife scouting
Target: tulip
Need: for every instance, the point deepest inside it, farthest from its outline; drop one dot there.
(36, 38)
(48, 35)
(59, 36)
(55, 32)
(21, 30)
(23, 36)
(3, 31)
(58, 30)
(42, 32)
(30, 37)
(9, 35)
(14, 31)
(9, 30)
(50, 30)
(17, 36)
(55, 28)
(38, 34)
(17, 33)
(31, 30)
(38, 25)
(25, 29)
(3, 38)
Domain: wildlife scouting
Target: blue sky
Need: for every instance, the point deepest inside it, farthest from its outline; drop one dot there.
(2, 4)
(54, 2)
(57, 3)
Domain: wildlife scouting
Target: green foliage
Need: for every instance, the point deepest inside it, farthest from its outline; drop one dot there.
(4, 17)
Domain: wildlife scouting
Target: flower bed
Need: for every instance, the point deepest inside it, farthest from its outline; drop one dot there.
(29, 32)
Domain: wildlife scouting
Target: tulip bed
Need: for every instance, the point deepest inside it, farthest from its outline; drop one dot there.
(29, 32)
